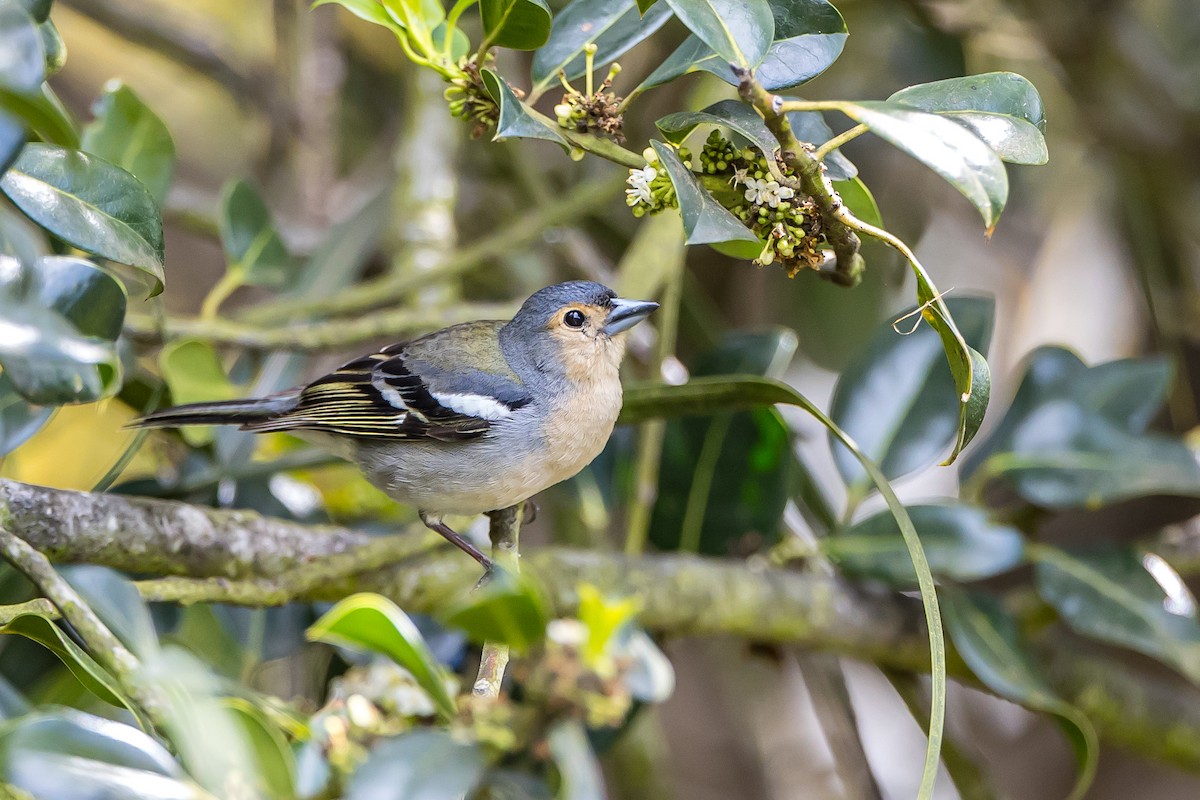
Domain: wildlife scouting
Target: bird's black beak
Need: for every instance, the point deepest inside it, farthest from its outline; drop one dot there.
(627, 313)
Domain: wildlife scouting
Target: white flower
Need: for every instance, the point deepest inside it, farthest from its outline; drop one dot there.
(761, 190)
(639, 182)
(739, 176)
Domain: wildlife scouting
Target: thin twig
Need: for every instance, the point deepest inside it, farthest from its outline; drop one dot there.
(505, 531)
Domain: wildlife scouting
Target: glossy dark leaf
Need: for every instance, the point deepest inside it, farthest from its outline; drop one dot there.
(988, 639)
(420, 765)
(508, 609)
(809, 36)
(614, 26)
(59, 319)
(69, 755)
(19, 419)
(372, 622)
(951, 150)
(1004, 93)
(739, 31)
(517, 24)
(90, 674)
(1110, 595)
(88, 203)
(705, 221)
(38, 9)
(732, 114)
(127, 133)
(1075, 436)
(898, 400)
(725, 479)
(42, 112)
(253, 248)
(961, 543)
(810, 126)
(22, 71)
(517, 121)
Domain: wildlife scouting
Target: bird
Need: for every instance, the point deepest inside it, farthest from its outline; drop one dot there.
(469, 419)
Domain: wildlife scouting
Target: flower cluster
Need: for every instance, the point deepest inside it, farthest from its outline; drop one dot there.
(650, 188)
(469, 99)
(592, 111)
(788, 224)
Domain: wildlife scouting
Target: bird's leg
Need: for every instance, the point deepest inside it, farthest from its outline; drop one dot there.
(434, 523)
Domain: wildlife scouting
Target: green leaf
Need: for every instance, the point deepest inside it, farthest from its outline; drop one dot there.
(82, 666)
(732, 114)
(705, 221)
(55, 47)
(193, 372)
(117, 602)
(516, 119)
(43, 112)
(127, 133)
(1076, 436)
(739, 31)
(460, 45)
(420, 18)
(508, 609)
(809, 37)
(1004, 93)
(987, 638)
(420, 765)
(725, 479)
(516, 24)
(19, 420)
(273, 754)
(59, 321)
(614, 26)
(22, 71)
(578, 768)
(964, 160)
(38, 9)
(898, 401)
(734, 392)
(1112, 596)
(810, 126)
(604, 618)
(253, 249)
(90, 204)
(859, 200)
(645, 5)
(369, 10)
(372, 622)
(68, 755)
(1001, 108)
(962, 544)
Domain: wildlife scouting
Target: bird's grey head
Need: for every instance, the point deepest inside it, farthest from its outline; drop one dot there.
(571, 323)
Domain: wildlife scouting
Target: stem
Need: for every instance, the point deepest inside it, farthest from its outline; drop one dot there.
(106, 648)
(824, 150)
(39, 606)
(452, 24)
(220, 292)
(505, 534)
(702, 481)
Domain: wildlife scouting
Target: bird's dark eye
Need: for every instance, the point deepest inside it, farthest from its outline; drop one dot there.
(573, 319)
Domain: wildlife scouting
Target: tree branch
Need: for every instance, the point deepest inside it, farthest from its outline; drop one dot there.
(1146, 708)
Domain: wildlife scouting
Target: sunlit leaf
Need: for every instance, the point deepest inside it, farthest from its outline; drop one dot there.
(705, 221)
(372, 622)
(508, 609)
(1004, 93)
(954, 152)
(987, 638)
(369, 10)
(961, 543)
(739, 31)
(603, 616)
(516, 24)
(127, 133)
(88, 203)
(897, 399)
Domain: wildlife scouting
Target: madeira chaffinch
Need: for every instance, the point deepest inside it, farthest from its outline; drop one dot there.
(472, 418)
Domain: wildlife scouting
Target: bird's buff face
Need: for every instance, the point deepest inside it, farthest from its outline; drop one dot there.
(588, 335)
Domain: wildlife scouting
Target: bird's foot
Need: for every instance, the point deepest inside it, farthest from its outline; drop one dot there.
(529, 512)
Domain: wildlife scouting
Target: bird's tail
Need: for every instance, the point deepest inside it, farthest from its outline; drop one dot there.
(226, 412)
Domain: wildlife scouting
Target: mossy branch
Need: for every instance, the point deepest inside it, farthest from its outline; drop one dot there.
(242, 557)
